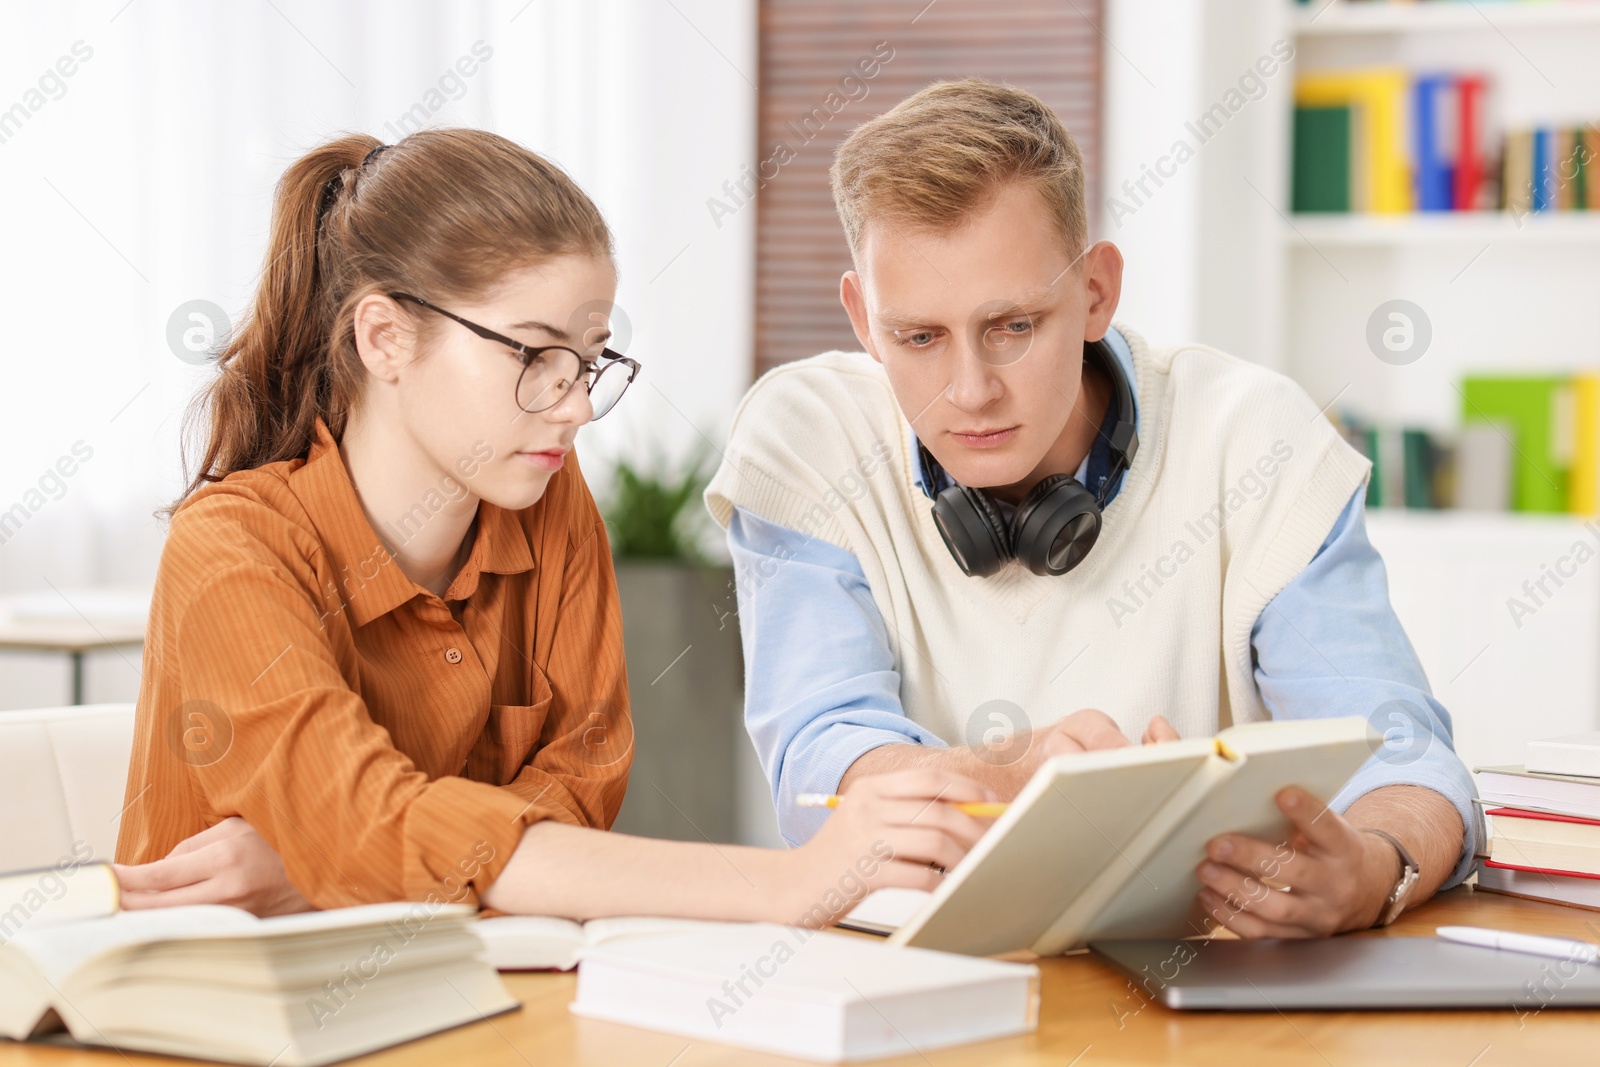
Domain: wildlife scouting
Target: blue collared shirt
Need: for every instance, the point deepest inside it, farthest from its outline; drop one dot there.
(822, 686)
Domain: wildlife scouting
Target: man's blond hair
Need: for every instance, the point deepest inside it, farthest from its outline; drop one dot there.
(943, 153)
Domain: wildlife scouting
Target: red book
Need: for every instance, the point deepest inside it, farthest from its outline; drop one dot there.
(1469, 142)
(1547, 816)
(1539, 870)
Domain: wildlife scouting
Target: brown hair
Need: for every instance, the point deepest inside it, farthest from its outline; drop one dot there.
(443, 213)
(946, 151)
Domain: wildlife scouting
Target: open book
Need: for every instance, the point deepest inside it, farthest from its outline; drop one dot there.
(542, 943)
(1105, 844)
(214, 982)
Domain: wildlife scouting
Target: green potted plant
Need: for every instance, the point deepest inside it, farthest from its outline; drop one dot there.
(685, 667)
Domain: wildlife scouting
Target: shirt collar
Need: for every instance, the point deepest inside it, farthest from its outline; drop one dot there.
(370, 581)
(1095, 466)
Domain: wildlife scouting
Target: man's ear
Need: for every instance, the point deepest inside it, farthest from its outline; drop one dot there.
(855, 305)
(1102, 284)
(385, 336)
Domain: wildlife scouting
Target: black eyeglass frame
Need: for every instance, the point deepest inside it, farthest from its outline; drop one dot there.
(588, 369)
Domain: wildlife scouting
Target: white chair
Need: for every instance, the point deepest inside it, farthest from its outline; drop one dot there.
(62, 776)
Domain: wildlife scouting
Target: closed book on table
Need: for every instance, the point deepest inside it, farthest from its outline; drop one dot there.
(1518, 787)
(796, 992)
(1576, 754)
(1544, 841)
(1579, 891)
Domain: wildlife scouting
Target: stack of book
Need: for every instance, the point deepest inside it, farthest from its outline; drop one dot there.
(1545, 823)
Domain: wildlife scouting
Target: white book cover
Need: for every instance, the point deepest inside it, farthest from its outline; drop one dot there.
(817, 995)
(1576, 754)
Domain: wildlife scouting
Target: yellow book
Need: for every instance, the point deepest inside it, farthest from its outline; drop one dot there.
(1379, 95)
(1583, 489)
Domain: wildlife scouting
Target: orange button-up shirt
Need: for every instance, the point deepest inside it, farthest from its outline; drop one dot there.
(391, 744)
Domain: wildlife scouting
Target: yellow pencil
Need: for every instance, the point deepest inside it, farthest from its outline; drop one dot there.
(978, 809)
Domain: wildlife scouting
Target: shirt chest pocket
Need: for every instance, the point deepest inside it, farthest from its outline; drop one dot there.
(510, 736)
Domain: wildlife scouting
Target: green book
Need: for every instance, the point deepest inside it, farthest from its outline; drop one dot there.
(1537, 411)
(1419, 463)
(1581, 177)
(1321, 159)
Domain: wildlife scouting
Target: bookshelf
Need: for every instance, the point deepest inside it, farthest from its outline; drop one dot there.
(1500, 297)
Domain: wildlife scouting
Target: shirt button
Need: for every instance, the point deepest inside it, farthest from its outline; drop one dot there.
(452, 655)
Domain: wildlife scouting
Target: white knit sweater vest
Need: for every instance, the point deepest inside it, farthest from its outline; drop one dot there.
(1236, 484)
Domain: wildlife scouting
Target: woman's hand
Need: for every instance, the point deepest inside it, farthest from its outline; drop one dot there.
(228, 863)
(900, 829)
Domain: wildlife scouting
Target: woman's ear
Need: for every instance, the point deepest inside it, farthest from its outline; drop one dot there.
(385, 336)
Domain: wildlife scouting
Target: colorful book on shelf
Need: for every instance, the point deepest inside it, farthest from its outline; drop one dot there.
(1378, 96)
(1321, 167)
(1516, 173)
(1591, 157)
(1467, 184)
(1583, 481)
(1544, 841)
(1538, 411)
(1434, 137)
(1543, 171)
(1581, 171)
(1483, 467)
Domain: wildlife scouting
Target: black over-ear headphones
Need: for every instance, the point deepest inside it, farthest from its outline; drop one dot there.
(1057, 522)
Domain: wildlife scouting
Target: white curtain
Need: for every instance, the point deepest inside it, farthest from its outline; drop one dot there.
(139, 144)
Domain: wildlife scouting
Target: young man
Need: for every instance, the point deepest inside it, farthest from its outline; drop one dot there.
(1232, 578)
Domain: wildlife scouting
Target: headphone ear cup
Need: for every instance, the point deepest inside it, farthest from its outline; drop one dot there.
(1055, 526)
(973, 530)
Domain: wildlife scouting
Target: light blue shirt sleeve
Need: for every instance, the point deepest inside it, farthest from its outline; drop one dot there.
(821, 686)
(1330, 644)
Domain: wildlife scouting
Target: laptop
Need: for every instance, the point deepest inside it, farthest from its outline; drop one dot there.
(1347, 973)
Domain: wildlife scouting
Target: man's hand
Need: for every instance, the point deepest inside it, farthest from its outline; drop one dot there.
(228, 863)
(1330, 876)
(1006, 768)
(1090, 730)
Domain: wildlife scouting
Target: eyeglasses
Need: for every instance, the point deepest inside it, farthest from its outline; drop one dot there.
(549, 372)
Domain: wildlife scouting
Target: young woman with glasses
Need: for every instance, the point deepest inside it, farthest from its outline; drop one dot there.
(384, 659)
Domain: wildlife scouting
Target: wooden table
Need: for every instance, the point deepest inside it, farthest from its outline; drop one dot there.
(1079, 1024)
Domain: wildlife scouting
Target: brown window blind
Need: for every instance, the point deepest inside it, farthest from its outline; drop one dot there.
(811, 48)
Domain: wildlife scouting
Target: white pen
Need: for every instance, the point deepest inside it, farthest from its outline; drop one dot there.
(1558, 947)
